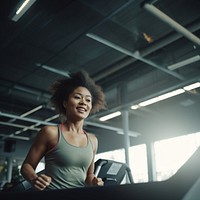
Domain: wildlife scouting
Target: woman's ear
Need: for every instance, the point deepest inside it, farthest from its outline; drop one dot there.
(65, 104)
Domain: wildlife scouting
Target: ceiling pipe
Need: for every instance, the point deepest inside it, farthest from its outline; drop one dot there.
(24, 128)
(25, 119)
(31, 91)
(184, 62)
(54, 70)
(135, 55)
(15, 137)
(144, 52)
(18, 126)
(169, 39)
(25, 91)
(117, 130)
(176, 26)
(32, 127)
(28, 112)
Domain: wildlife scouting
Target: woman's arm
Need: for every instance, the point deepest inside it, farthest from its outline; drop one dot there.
(91, 180)
(38, 149)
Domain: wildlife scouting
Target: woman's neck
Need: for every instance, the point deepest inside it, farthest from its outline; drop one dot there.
(70, 126)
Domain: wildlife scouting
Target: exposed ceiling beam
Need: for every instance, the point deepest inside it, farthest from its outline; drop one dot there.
(144, 52)
(135, 55)
(118, 130)
(15, 137)
(25, 119)
(18, 126)
(44, 122)
(54, 70)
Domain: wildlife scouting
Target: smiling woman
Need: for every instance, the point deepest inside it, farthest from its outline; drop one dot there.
(64, 87)
(78, 103)
(69, 151)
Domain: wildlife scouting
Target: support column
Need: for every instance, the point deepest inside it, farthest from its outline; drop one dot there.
(125, 119)
(9, 169)
(151, 161)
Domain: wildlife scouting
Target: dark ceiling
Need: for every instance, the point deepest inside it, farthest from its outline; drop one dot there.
(126, 46)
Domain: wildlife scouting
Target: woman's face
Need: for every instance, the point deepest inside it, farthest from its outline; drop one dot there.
(79, 103)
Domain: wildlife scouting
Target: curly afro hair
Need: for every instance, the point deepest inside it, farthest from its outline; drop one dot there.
(62, 88)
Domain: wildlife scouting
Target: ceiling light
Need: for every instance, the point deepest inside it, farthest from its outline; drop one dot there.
(166, 95)
(22, 7)
(149, 101)
(170, 94)
(184, 62)
(158, 98)
(192, 86)
(110, 116)
(135, 107)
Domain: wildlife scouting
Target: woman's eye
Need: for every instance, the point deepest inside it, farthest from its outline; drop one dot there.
(77, 97)
(88, 100)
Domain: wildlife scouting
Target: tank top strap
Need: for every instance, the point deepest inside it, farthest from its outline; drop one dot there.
(89, 142)
(59, 132)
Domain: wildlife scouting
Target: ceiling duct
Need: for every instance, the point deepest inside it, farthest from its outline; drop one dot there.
(176, 26)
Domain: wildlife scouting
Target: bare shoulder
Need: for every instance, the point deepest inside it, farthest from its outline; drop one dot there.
(48, 131)
(47, 136)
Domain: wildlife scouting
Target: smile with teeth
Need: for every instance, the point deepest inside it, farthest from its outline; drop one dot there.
(81, 109)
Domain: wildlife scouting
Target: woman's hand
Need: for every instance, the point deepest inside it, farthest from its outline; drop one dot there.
(41, 182)
(97, 182)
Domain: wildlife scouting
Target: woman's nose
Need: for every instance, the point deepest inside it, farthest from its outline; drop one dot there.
(82, 101)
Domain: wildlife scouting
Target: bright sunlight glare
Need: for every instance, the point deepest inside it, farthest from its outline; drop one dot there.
(172, 153)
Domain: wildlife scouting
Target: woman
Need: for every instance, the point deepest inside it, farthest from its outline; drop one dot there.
(68, 150)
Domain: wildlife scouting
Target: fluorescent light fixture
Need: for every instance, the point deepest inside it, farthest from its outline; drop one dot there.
(170, 94)
(161, 97)
(158, 98)
(166, 95)
(135, 107)
(110, 116)
(192, 86)
(130, 133)
(184, 62)
(148, 102)
(21, 9)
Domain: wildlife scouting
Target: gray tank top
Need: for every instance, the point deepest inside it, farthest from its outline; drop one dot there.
(67, 165)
